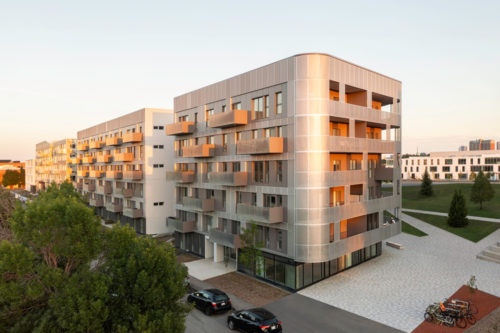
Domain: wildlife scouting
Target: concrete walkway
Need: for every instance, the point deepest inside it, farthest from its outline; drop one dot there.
(205, 269)
(486, 219)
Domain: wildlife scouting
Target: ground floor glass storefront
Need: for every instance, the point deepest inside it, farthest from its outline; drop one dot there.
(190, 242)
(295, 275)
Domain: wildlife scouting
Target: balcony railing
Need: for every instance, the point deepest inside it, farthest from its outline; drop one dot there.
(82, 173)
(116, 141)
(90, 187)
(203, 150)
(260, 146)
(223, 238)
(88, 160)
(82, 147)
(114, 174)
(79, 186)
(76, 160)
(228, 178)
(96, 202)
(96, 145)
(104, 158)
(261, 214)
(132, 137)
(202, 205)
(228, 119)
(127, 192)
(134, 213)
(132, 175)
(181, 176)
(382, 173)
(180, 128)
(96, 174)
(114, 207)
(181, 226)
(106, 189)
(124, 157)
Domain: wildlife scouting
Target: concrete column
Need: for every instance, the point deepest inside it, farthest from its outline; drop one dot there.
(380, 217)
(387, 132)
(369, 99)
(209, 249)
(218, 252)
(336, 231)
(342, 92)
(352, 128)
(395, 106)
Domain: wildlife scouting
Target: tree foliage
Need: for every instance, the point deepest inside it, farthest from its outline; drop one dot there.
(11, 178)
(7, 205)
(481, 190)
(457, 216)
(62, 272)
(426, 185)
(251, 246)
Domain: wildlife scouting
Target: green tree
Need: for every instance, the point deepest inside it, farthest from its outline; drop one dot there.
(251, 246)
(22, 177)
(10, 178)
(7, 205)
(426, 185)
(481, 190)
(457, 216)
(472, 176)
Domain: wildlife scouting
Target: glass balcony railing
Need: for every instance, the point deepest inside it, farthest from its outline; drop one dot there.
(180, 226)
(224, 238)
(261, 214)
(202, 205)
(228, 178)
(187, 176)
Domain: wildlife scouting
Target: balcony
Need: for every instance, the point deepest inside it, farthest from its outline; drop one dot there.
(76, 160)
(223, 238)
(124, 157)
(201, 205)
(134, 213)
(260, 214)
(96, 202)
(79, 186)
(203, 150)
(96, 174)
(260, 146)
(180, 128)
(82, 147)
(82, 173)
(181, 176)
(106, 189)
(132, 175)
(96, 145)
(127, 192)
(228, 119)
(382, 173)
(181, 226)
(90, 187)
(104, 158)
(228, 178)
(88, 160)
(114, 174)
(114, 207)
(116, 141)
(132, 137)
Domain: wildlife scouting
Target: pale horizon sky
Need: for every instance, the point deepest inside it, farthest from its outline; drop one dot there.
(65, 66)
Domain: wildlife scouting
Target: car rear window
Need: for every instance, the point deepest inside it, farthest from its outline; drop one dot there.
(218, 298)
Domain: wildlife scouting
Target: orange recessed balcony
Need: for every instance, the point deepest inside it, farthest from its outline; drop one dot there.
(116, 141)
(181, 176)
(260, 146)
(88, 159)
(96, 174)
(203, 150)
(82, 173)
(76, 160)
(124, 157)
(96, 145)
(82, 146)
(180, 128)
(104, 158)
(132, 137)
(228, 119)
(132, 175)
(114, 174)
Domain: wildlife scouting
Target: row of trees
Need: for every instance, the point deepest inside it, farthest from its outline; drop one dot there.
(63, 272)
(14, 178)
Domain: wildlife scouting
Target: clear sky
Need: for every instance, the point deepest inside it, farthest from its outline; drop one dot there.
(67, 65)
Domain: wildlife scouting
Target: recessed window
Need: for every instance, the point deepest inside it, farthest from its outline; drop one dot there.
(279, 103)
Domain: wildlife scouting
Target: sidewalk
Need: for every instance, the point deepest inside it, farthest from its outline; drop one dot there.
(205, 269)
(478, 218)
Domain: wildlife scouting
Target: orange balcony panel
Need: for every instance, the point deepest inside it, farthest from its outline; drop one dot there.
(124, 157)
(116, 141)
(104, 158)
(260, 146)
(132, 175)
(76, 160)
(88, 160)
(82, 173)
(180, 128)
(228, 119)
(96, 145)
(132, 137)
(203, 150)
(96, 174)
(114, 174)
(83, 147)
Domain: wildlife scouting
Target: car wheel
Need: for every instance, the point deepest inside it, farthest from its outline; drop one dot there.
(230, 324)
(208, 312)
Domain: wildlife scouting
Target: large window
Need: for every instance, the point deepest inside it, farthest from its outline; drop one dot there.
(279, 171)
(261, 171)
(260, 107)
(448, 161)
(279, 103)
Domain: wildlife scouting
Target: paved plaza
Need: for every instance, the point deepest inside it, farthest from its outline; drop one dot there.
(396, 287)
(204, 269)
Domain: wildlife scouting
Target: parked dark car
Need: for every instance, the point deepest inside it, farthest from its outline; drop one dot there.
(210, 301)
(254, 320)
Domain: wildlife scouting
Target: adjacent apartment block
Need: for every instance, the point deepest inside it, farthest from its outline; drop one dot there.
(53, 162)
(481, 144)
(121, 168)
(453, 165)
(296, 148)
(30, 175)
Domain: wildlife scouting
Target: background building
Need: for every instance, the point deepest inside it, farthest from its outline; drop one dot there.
(481, 144)
(53, 162)
(30, 175)
(462, 148)
(121, 168)
(295, 147)
(452, 165)
(10, 165)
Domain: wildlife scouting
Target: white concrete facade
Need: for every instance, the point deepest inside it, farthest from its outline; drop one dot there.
(30, 174)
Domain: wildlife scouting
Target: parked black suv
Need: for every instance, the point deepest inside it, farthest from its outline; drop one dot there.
(254, 320)
(210, 301)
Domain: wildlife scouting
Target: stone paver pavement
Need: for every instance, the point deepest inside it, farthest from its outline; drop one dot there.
(204, 269)
(396, 287)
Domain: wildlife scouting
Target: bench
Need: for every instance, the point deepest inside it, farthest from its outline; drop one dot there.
(394, 245)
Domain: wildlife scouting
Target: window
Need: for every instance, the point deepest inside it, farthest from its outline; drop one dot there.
(279, 130)
(446, 169)
(273, 200)
(236, 167)
(224, 142)
(332, 234)
(270, 132)
(260, 107)
(462, 161)
(158, 128)
(279, 244)
(433, 169)
(279, 171)
(237, 137)
(279, 103)
(208, 113)
(158, 203)
(210, 140)
(236, 106)
(254, 134)
(261, 171)
(158, 166)
(448, 161)
(223, 108)
(158, 146)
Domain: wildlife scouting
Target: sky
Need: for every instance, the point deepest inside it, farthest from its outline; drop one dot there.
(68, 65)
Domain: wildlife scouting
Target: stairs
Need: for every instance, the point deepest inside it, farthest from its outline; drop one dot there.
(491, 253)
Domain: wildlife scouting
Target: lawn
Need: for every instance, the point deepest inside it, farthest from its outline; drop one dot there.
(474, 231)
(440, 201)
(409, 229)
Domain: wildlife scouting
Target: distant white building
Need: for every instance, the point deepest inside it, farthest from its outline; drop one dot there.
(30, 176)
(452, 165)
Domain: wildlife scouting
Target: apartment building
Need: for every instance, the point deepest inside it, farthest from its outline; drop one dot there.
(453, 165)
(53, 162)
(8, 165)
(121, 168)
(481, 144)
(30, 176)
(296, 148)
